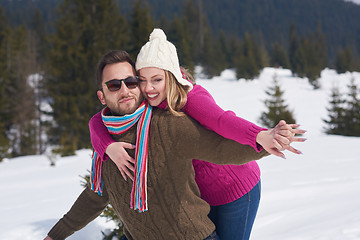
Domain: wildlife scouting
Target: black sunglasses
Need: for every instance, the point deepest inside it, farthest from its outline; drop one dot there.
(115, 84)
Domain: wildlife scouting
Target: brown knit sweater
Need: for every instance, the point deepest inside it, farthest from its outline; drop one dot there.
(176, 210)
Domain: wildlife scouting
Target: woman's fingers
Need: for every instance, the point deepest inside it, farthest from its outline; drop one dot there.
(125, 171)
(278, 146)
(276, 152)
(298, 139)
(123, 174)
(282, 140)
(294, 150)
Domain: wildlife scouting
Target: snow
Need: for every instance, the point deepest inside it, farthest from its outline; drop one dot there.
(35, 195)
(310, 196)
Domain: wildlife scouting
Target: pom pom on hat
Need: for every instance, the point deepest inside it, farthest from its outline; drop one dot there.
(157, 33)
(160, 53)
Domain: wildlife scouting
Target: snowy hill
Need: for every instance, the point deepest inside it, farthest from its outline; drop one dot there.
(311, 196)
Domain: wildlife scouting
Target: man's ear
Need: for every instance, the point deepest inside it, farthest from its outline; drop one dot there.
(101, 97)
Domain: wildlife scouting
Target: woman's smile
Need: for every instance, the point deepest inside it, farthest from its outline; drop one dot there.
(152, 95)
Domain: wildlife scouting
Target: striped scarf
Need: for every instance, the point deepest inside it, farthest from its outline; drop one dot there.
(118, 125)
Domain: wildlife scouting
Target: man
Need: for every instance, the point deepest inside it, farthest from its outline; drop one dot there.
(173, 207)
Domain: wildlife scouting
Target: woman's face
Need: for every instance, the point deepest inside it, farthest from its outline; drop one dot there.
(152, 84)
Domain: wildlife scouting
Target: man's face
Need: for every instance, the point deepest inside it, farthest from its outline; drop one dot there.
(123, 101)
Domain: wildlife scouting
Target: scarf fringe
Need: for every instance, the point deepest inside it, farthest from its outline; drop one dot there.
(95, 179)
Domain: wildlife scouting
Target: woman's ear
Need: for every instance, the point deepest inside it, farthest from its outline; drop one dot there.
(101, 97)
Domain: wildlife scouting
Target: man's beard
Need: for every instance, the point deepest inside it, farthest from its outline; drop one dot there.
(121, 109)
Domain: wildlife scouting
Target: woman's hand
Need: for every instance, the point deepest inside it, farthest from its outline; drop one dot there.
(279, 138)
(117, 153)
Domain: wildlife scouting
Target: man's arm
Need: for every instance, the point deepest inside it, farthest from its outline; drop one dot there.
(86, 208)
(191, 140)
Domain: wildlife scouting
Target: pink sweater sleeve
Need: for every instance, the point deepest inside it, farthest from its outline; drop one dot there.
(100, 137)
(202, 107)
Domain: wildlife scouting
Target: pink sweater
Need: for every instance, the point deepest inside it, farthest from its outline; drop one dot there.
(218, 184)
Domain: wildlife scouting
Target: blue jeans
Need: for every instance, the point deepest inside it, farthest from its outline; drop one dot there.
(235, 220)
(212, 236)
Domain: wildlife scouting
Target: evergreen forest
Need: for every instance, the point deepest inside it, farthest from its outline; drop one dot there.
(49, 51)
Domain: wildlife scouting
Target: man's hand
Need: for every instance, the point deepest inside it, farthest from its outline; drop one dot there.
(48, 238)
(117, 153)
(279, 138)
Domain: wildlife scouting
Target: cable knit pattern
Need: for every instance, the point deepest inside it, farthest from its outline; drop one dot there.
(176, 210)
(221, 184)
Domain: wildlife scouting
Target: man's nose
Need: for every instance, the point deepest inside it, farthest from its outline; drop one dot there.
(124, 89)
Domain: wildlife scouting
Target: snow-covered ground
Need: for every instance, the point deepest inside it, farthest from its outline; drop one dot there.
(311, 196)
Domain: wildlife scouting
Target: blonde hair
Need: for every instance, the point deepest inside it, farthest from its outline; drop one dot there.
(176, 93)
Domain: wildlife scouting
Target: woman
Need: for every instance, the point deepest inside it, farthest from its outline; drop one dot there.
(233, 192)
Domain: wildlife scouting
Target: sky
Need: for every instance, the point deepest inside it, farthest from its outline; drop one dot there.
(304, 197)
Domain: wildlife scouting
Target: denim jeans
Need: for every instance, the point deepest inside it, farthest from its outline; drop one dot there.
(235, 220)
(212, 236)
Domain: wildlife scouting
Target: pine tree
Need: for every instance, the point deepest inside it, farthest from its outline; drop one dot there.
(344, 60)
(336, 113)
(357, 65)
(246, 64)
(222, 52)
(84, 31)
(214, 58)
(262, 56)
(316, 56)
(308, 55)
(142, 24)
(191, 20)
(38, 29)
(352, 113)
(38, 46)
(206, 50)
(20, 64)
(118, 231)
(293, 47)
(344, 112)
(278, 56)
(298, 51)
(234, 44)
(3, 27)
(178, 36)
(321, 47)
(4, 111)
(276, 108)
(225, 44)
(4, 140)
(310, 67)
(299, 59)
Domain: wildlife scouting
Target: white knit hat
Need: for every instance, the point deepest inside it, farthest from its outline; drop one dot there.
(160, 53)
